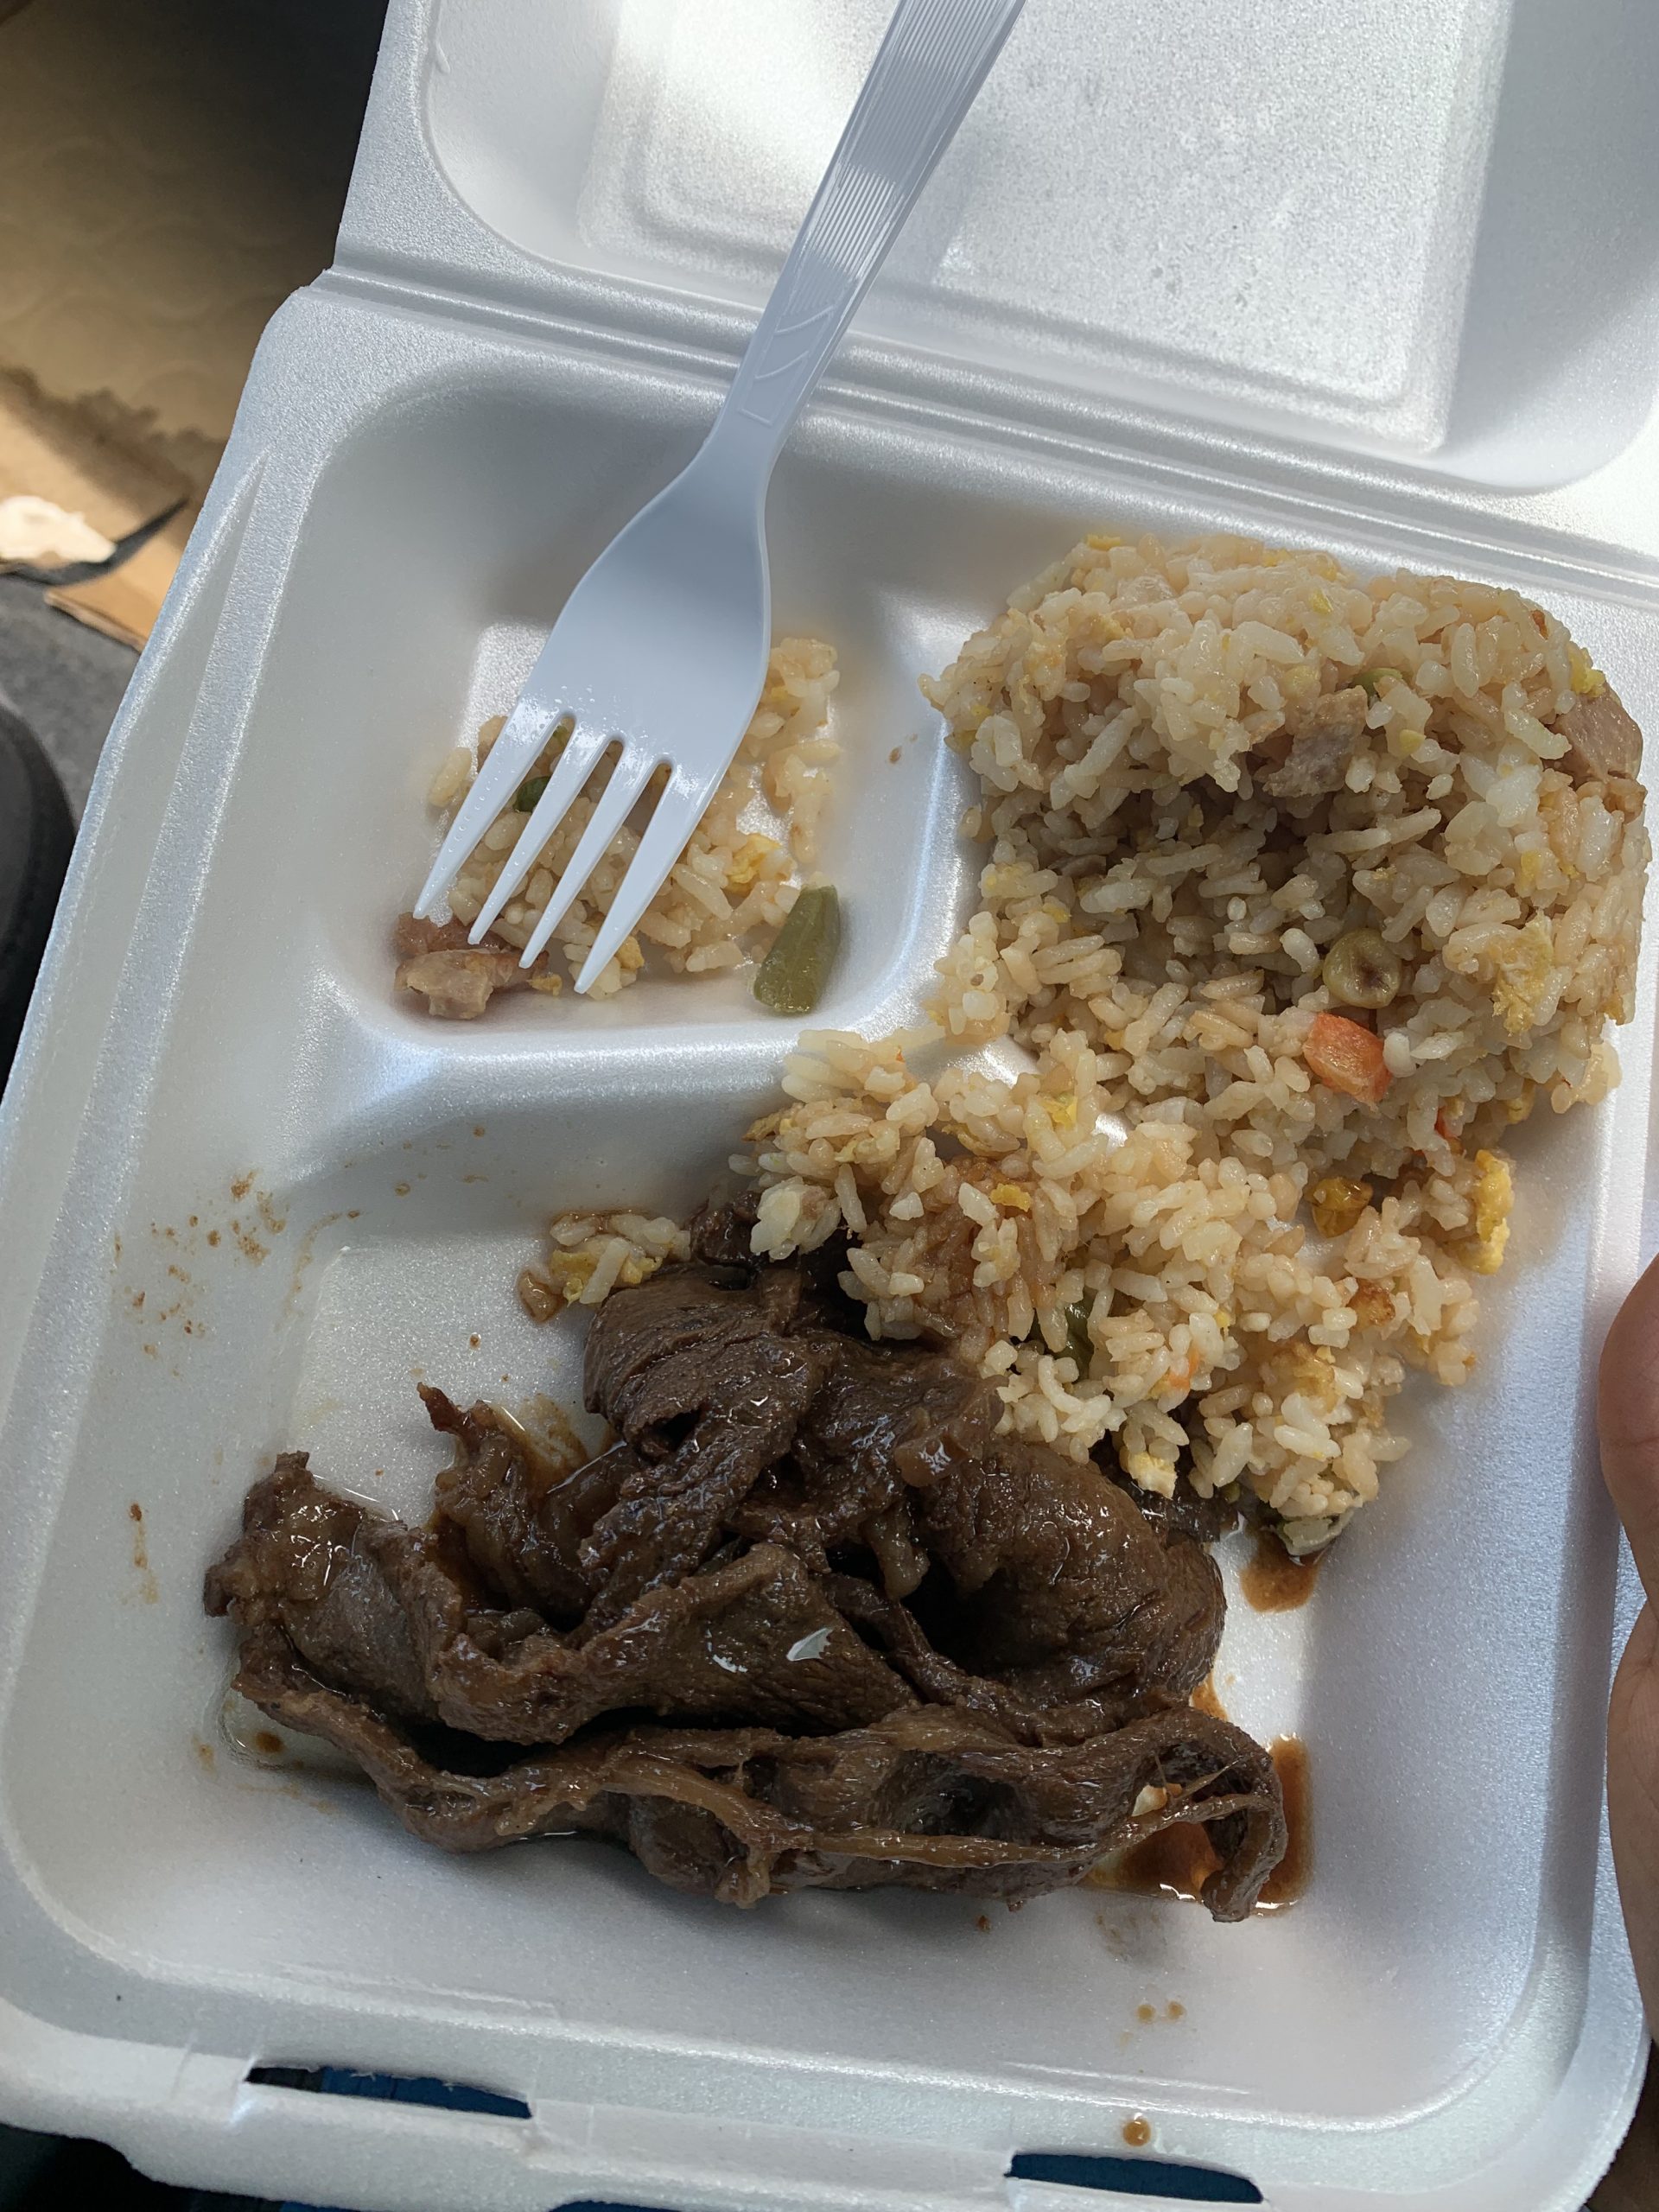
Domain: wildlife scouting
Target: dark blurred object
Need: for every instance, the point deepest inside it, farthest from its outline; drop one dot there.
(168, 174)
(1632, 2184)
(65, 681)
(42, 2173)
(35, 836)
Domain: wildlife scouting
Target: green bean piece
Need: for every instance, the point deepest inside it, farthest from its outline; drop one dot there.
(529, 793)
(791, 977)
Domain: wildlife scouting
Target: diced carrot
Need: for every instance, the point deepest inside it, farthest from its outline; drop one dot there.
(1348, 1057)
(1447, 1135)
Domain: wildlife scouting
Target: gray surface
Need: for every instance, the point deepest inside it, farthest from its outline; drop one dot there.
(65, 680)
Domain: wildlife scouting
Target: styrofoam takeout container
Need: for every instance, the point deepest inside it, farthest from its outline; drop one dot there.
(1385, 279)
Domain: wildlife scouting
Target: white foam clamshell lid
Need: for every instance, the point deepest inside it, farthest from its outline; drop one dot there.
(1383, 280)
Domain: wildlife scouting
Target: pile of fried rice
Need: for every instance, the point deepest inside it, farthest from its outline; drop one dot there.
(1300, 893)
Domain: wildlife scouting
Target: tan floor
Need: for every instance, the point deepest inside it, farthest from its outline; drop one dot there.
(169, 171)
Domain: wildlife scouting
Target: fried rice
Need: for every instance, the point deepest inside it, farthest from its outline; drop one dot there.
(1300, 892)
(731, 889)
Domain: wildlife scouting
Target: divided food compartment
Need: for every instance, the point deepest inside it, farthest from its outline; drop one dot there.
(247, 1196)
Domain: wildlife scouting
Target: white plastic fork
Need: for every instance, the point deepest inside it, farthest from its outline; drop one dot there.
(662, 648)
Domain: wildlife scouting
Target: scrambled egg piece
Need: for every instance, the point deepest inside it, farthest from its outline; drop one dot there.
(1493, 1197)
(1524, 965)
(748, 859)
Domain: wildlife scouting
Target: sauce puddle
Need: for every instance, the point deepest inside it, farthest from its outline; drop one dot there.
(1274, 1582)
(1205, 1698)
(1175, 1862)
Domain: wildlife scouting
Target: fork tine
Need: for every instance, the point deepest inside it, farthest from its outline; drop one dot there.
(678, 812)
(522, 738)
(574, 766)
(628, 778)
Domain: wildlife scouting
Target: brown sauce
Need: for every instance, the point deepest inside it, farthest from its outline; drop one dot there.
(149, 1589)
(1205, 1698)
(1289, 1878)
(1273, 1582)
(1177, 1860)
(1137, 2133)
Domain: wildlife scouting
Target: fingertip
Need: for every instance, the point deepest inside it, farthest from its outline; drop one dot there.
(1627, 1417)
(1628, 1380)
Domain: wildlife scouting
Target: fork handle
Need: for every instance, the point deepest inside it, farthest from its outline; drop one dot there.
(932, 62)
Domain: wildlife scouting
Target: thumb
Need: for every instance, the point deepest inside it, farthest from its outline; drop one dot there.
(1627, 1414)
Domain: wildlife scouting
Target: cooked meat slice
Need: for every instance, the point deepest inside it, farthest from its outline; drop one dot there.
(1603, 738)
(457, 979)
(1025, 1715)
(371, 1605)
(299, 1566)
(458, 985)
(411, 937)
(890, 1535)
(881, 1420)
(523, 1520)
(914, 1416)
(1060, 1585)
(892, 1645)
(676, 1346)
(720, 1234)
(936, 1800)
(704, 1384)
(1323, 741)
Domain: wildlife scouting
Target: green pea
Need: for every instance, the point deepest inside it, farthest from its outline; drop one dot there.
(791, 977)
(530, 792)
(1372, 680)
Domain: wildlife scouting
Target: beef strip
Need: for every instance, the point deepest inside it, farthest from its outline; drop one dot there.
(882, 1641)
(1061, 1587)
(720, 1234)
(458, 979)
(932, 1799)
(1604, 740)
(940, 1680)
(880, 1422)
(299, 1568)
(523, 1520)
(372, 1605)
(682, 1348)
